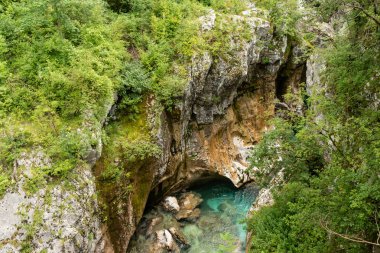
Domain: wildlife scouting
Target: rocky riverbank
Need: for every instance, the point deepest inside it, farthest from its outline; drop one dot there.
(204, 219)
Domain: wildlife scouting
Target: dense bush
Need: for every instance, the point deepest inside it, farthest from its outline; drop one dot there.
(165, 34)
(59, 66)
(62, 61)
(284, 16)
(329, 199)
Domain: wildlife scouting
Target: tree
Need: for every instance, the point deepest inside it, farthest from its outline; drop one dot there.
(334, 207)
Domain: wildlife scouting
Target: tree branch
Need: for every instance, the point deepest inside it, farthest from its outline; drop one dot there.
(360, 7)
(378, 229)
(348, 237)
(335, 146)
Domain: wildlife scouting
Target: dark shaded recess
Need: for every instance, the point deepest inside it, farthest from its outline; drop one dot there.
(113, 195)
(315, 165)
(245, 87)
(120, 6)
(257, 73)
(289, 74)
(209, 180)
(158, 193)
(281, 85)
(205, 2)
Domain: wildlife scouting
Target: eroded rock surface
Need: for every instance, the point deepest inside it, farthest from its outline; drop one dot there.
(224, 110)
(189, 201)
(223, 113)
(54, 219)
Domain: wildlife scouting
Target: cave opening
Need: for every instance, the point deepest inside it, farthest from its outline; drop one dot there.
(218, 220)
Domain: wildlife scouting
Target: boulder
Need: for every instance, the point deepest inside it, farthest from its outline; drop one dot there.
(164, 242)
(170, 204)
(180, 238)
(189, 201)
(152, 224)
(188, 215)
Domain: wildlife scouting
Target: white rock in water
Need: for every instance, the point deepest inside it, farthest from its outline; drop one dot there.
(166, 241)
(171, 204)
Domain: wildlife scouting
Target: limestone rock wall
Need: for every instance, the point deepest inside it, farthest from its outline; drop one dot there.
(224, 111)
(55, 219)
(57, 216)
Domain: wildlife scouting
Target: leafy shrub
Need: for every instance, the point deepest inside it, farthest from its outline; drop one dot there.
(284, 16)
(4, 182)
(229, 6)
(329, 199)
(135, 81)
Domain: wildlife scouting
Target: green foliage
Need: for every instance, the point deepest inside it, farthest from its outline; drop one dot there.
(284, 15)
(361, 10)
(287, 226)
(120, 5)
(139, 150)
(329, 204)
(4, 182)
(127, 143)
(59, 62)
(169, 35)
(229, 6)
(167, 38)
(129, 5)
(36, 181)
(30, 228)
(55, 66)
(342, 196)
(135, 82)
(283, 147)
(229, 243)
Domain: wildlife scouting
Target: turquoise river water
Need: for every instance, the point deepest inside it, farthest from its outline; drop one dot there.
(220, 227)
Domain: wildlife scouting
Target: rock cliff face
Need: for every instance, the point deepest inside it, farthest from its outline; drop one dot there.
(312, 68)
(224, 111)
(56, 218)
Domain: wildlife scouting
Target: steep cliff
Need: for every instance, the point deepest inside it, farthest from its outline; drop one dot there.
(224, 110)
(52, 217)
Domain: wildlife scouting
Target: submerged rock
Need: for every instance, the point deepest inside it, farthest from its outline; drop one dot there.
(192, 231)
(170, 204)
(223, 207)
(153, 223)
(188, 215)
(180, 238)
(164, 242)
(189, 201)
